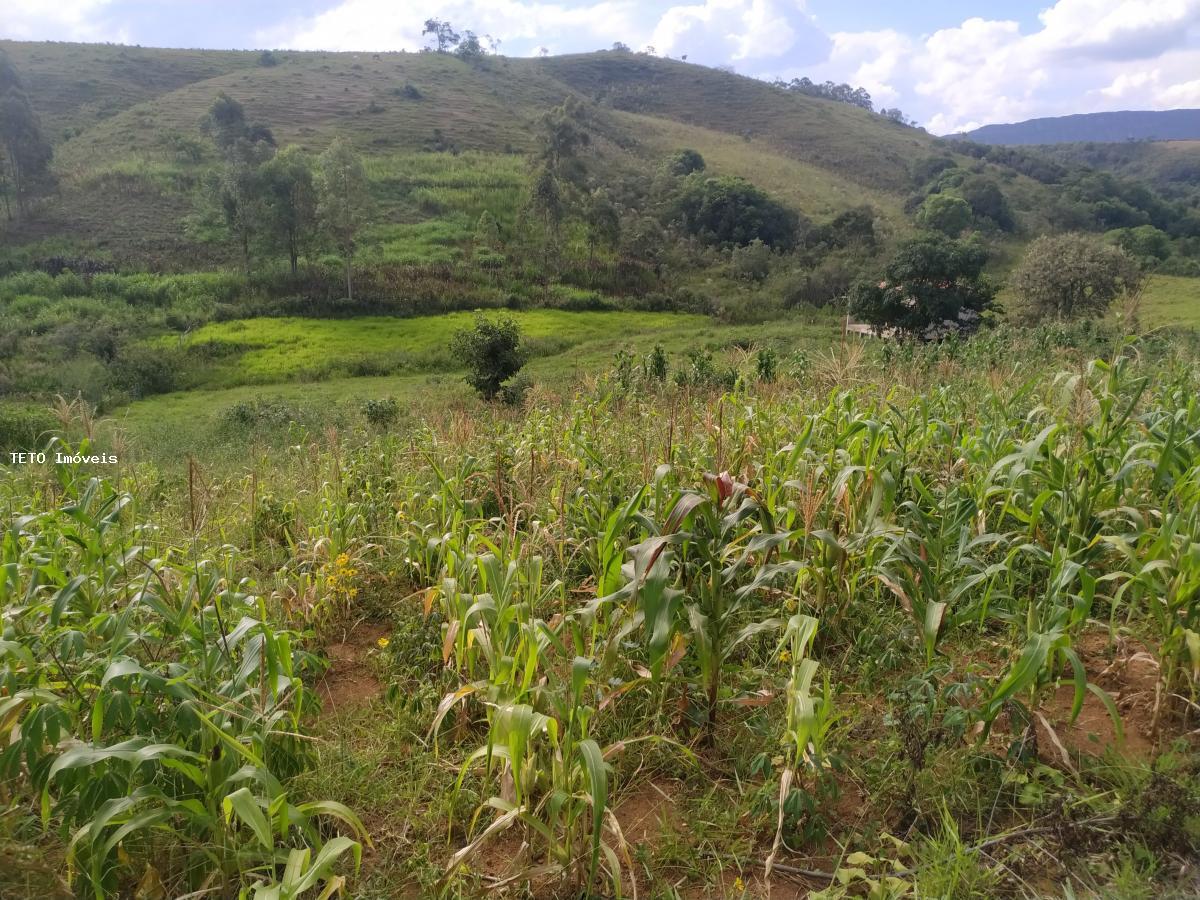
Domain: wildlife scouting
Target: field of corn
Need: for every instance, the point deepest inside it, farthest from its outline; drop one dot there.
(904, 622)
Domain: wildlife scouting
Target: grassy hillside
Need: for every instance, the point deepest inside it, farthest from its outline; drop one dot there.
(1170, 300)
(861, 147)
(443, 141)
(74, 87)
(128, 175)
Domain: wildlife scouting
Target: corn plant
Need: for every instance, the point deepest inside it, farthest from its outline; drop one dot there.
(139, 689)
(556, 785)
(938, 564)
(697, 575)
(810, 718)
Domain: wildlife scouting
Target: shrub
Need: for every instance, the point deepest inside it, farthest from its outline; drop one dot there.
(854, 227)
(987, 201)
(945, 213)
(261, 412)
(766, 364)
(382, 412)
(704, 373)
(730, 212)
(513, 391)
(492, 351)
(825, 284)
(1145, 243)
(1070, 276)
(656, 363)
(141, 372)
(752, 262)
(24, 427)
(683, 162)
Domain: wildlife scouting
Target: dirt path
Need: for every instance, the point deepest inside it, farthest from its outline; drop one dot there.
(349, 681)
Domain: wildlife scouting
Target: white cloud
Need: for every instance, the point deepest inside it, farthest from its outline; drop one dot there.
(61, 20)
(1185, 94)
(1128, 83)
(1087, 55)
(871, 59)
(384, 25)
(739, 31)
(713, 32)
(1116, 29)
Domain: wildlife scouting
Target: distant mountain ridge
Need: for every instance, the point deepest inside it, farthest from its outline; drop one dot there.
(1103, 127)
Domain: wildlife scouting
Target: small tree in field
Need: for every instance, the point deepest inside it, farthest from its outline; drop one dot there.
(1068, 276)
(492, 351)
(932, 286)
(341, 199)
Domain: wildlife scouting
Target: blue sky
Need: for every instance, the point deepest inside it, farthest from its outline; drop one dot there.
(952, 65)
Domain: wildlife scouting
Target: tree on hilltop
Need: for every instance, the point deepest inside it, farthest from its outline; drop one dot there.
(443, 33)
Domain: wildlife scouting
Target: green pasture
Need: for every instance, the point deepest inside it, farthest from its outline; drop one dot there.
(1171, 300)
(567, 346)
(273, 350)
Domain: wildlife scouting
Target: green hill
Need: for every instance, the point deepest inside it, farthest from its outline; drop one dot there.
(448, 143)
(129, 163)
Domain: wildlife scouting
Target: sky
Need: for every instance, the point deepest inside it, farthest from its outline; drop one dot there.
(950, 64)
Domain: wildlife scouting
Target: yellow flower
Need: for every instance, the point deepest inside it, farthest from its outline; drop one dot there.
(383, 642)
(785, 656)
(738, 884)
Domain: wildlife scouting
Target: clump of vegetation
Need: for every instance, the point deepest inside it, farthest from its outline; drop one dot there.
(945, 213)
(1071, 276)
(25, 153)
(381, 412)
(683, 162)
(933, 286)
(493, 352)
(729, 211)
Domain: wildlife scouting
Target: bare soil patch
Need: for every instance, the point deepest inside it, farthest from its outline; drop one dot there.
(349, 681)
(1129, 673)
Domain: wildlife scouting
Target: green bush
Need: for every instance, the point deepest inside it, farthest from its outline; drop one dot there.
(24, 427)
(945, 213)
(683, 162)
(752, 262)
(513, 391)
(142, 372)
(730, 212)
(381, 412)
(933, 286)
(493, 352)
